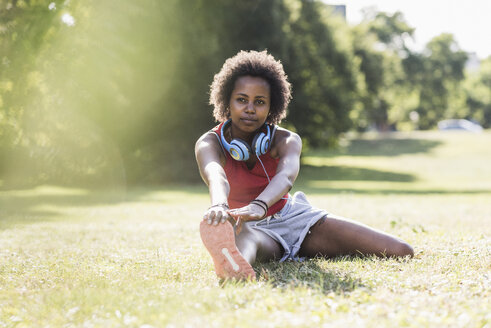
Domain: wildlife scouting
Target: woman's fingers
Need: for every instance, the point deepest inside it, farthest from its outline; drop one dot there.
(245, 216)
(208, 217)
(236, 215)
(216, 216)
(248, 212)
(238, 225)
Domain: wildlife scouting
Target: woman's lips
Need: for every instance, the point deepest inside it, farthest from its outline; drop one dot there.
(248, 121)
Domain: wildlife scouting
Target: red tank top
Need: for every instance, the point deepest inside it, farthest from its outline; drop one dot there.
(245, 184)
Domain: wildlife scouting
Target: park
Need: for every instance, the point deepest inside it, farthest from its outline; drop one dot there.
(101, 200)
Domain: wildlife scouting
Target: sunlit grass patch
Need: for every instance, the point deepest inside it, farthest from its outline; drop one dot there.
(424, 162)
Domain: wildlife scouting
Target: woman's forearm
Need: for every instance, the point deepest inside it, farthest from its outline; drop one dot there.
(280, 184)
(219, 189)
(288, 147)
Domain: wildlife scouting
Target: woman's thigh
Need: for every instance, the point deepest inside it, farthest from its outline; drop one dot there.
(334, 235)
(269, 249)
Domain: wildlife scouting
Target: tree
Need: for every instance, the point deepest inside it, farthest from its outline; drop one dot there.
(26, 28)
(321, 72)
(391, 30)
(380, 44)
(220, 29)
(119, 93)
(442, 68)
(478, 94)
(88, 77)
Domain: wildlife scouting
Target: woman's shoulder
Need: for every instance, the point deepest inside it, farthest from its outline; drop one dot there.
(282, 134)
(284, 138)
(208, 148)
(207, 139)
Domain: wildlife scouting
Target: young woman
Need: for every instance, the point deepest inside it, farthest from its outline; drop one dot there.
(250, 165)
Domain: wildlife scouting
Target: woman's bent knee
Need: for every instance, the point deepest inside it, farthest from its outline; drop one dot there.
(404, 249)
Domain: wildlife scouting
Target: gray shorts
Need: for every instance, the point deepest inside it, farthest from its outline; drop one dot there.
(290, 225)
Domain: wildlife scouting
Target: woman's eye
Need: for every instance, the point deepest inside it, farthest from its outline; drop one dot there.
(260, 102)
(241, 100)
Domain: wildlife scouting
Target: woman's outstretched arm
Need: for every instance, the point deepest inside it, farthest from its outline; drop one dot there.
(210, 159)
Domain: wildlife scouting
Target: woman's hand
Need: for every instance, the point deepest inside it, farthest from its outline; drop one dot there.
(251, 212)
(217, 214)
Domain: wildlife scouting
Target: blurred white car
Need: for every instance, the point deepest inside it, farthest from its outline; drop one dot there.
(459, 124)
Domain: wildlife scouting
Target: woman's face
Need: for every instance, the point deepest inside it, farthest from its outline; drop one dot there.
(249, 104)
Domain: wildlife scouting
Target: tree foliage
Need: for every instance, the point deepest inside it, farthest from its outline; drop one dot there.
(440, 69)
(477, 88)
(322, 75)
(380, 44)
(115, 92)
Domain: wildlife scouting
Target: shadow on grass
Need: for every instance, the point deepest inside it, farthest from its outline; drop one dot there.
(46, 203)
(307, 274)
(386, 146)
(313, 190)
(311, 175)
(345, 173)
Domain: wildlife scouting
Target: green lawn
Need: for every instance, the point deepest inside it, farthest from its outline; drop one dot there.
(74, 258)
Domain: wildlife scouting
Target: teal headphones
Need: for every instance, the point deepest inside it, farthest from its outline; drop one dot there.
(240, 150)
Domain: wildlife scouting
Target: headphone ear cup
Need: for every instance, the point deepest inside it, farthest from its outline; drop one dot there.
(261, 143)
(239, 150)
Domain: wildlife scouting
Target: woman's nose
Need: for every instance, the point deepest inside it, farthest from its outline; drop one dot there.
(250, 107)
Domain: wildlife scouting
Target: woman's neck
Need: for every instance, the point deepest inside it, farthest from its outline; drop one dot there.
(247, 137)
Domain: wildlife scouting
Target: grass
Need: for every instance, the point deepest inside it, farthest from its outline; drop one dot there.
(73, 258)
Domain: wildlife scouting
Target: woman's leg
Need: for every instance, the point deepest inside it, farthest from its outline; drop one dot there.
(332, 236)
(219, 240)
(257, 245)
(233, 255)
